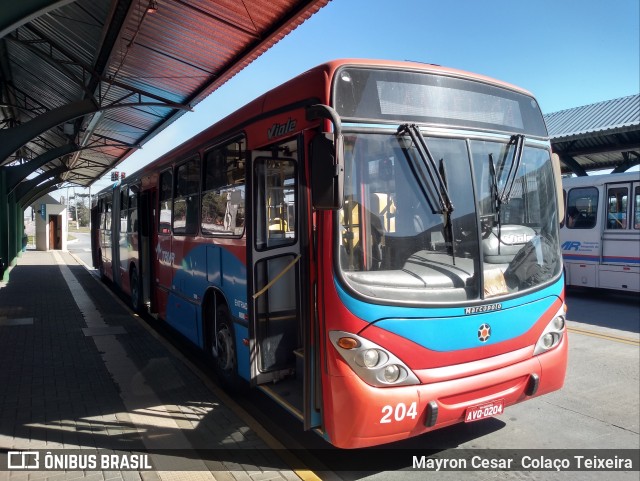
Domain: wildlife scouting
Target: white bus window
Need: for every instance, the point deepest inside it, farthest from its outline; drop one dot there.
(617, 208)
(186, 198)
(223, 190)
(165, 201)
(636, 209)
(582, 208)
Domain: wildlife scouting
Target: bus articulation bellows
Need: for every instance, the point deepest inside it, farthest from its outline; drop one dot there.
(373, 243)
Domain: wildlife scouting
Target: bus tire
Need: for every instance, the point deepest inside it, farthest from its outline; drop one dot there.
(134, 284)
(222, 349)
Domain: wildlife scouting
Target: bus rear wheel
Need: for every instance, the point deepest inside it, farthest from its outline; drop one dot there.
(222, 349)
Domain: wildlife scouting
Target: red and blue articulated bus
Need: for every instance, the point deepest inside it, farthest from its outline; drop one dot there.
(374, 244)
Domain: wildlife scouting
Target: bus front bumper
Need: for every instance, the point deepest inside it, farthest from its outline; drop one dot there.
(364, 415)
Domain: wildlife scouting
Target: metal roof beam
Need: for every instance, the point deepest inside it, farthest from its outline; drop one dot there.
(605, 149)
(17, 173)
(16, 14)
(628, 162)
(77, 176)
(229, 23)
(13, 139)
(28, 185)
(39, 191)
(91, 74)
(99, 141)
(573, 165)
(88, 164)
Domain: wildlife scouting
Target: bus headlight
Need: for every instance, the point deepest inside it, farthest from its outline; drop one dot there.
(370, 358)
(392, 373)
(552, 334)
(373, 364)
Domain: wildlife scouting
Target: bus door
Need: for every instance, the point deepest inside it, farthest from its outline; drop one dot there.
(281, 328)
(95, 234)
(275, 295)
(145, 226)
(122, 255)
(620, 238)
(107, 237)
(115, 237)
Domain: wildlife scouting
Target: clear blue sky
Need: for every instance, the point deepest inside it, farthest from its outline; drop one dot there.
(568, 53)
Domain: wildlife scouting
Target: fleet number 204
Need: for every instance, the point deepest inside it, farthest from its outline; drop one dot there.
(398, 412)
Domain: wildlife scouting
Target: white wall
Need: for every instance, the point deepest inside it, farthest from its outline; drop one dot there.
(42, 226)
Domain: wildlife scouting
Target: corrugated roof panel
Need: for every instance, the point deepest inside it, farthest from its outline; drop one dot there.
(231, 11)
(599, 117)
(76, 27)
(158, 61)
(40, 79)
(598, 136)
(181, 53)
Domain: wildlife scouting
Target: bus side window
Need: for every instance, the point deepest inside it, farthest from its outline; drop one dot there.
(617, 208)
(166, 203)
(132, 218)
(223, 199)
(187, 198)
(636, 208)
(582, 208)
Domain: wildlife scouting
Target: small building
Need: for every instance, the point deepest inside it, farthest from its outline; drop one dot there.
(51, 224)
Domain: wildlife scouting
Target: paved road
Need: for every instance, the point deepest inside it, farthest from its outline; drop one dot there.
(81, 247)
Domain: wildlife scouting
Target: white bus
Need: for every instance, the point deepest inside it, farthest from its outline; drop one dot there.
(600, 235)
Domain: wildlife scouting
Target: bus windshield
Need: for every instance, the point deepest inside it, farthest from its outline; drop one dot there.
(398, 243)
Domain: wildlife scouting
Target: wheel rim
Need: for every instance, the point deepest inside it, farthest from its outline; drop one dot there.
(224, 353)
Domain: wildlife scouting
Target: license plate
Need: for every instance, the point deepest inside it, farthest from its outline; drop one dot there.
(482, 411)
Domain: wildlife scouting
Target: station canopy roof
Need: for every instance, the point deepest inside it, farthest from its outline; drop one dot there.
(604, 135)
(84, 83)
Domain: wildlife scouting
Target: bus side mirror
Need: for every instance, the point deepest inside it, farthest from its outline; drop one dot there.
(327, 172)
(326, 153)
(557, 175)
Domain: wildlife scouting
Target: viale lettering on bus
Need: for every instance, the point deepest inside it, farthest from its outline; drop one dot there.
(278, 130)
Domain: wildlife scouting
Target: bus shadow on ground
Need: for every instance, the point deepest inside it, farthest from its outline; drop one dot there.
(604, 308)
(351, 465)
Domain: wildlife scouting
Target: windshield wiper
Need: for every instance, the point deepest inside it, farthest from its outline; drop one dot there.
(448, 223)
(431, 182)
(518, 141)
(503, 196)
(497, 198)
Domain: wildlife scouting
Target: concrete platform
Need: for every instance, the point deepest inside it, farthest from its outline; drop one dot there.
(81, 376)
